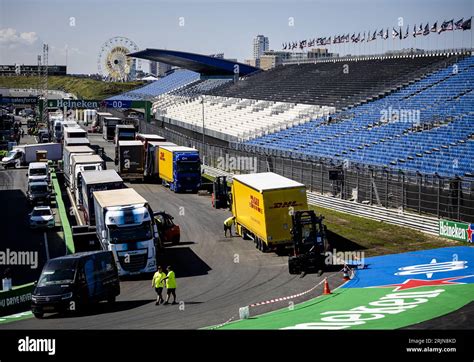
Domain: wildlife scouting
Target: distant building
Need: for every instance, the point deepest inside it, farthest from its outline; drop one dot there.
(271, 59)
(159, 69)
(21, 69)
(251, 62)
(153, 67)
(260, 45)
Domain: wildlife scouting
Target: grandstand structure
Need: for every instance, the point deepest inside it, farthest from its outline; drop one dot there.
(394, 122)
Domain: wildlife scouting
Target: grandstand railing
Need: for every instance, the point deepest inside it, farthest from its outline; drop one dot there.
(451, 198)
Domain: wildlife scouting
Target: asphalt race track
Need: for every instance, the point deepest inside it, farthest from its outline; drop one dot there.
(215, 275)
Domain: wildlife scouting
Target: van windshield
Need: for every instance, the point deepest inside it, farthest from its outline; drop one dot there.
(57, 276)
(39, 188)
(130, 233)
(38, 172)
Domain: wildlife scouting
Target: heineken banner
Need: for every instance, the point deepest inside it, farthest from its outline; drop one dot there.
(456, 230)
(91, 103)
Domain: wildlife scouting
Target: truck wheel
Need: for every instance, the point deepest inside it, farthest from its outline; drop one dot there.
(111, 300)
(264, 247)
(257, 243)
(38, 315)
(292, 267)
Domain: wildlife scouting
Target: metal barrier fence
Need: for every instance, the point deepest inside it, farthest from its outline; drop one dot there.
(425, 194)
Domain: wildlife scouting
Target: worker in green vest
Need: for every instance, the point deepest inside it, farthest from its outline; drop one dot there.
(158, 283)
(170, 285)
(228, 225)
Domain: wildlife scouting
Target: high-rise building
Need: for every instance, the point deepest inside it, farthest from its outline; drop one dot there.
(159, 69)
(260, 45)
(153, 67)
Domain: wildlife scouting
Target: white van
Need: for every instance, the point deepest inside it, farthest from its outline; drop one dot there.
(38, 172)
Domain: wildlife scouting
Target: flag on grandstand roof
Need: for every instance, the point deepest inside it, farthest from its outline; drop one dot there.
(374, 36)
(385, 36)
(458, 24)
(380, 33)
(420, 30)
(400, 33)
(414, 31)
(283, 45)
(446, 26)
(434, 28)
(427, 29)
(407, 33)
(394, 33)
(363, 38)
(467, 24)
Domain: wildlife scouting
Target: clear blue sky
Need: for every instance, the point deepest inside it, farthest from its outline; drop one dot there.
(209, 26)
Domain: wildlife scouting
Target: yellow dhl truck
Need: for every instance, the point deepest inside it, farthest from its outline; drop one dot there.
(263, 204)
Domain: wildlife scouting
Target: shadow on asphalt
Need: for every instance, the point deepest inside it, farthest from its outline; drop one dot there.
(184, 261)
(102, 308)
(17, 236)
(181, 243)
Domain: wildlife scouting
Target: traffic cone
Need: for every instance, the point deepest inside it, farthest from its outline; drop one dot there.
(326, 290)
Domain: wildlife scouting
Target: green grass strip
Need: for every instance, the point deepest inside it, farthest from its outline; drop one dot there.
(63, 215)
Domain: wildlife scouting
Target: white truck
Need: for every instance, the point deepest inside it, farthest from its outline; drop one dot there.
(70, 151)
(125, 226)
(82, 163)
(23, 155)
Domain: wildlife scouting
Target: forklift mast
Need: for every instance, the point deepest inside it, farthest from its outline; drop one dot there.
(220, 192)
(308, 232)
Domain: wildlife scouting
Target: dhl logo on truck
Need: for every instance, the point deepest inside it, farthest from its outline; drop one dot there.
(255, 204)
(162, 156)
(284, 205)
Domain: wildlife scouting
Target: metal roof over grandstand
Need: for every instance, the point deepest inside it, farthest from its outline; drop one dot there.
(203, 64)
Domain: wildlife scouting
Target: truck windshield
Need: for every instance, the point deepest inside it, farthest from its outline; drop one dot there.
(127, 135)
(57, 276)
(189, 166)
(38, 172)
(130, 233)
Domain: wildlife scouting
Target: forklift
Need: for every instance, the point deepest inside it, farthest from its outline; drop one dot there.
(220, 193)
(168, 231)
(309, 242)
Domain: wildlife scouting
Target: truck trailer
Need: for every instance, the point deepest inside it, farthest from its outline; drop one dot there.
(180, 168)
(108, 127)
(70, 151)
(131, 163)
(81, 164)
(152, 152)
(93, 181)
(125, 226)
(123, 132)
(23, 155)
(262, 204)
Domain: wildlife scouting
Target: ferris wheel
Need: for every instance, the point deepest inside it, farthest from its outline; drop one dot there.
(113, 63)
